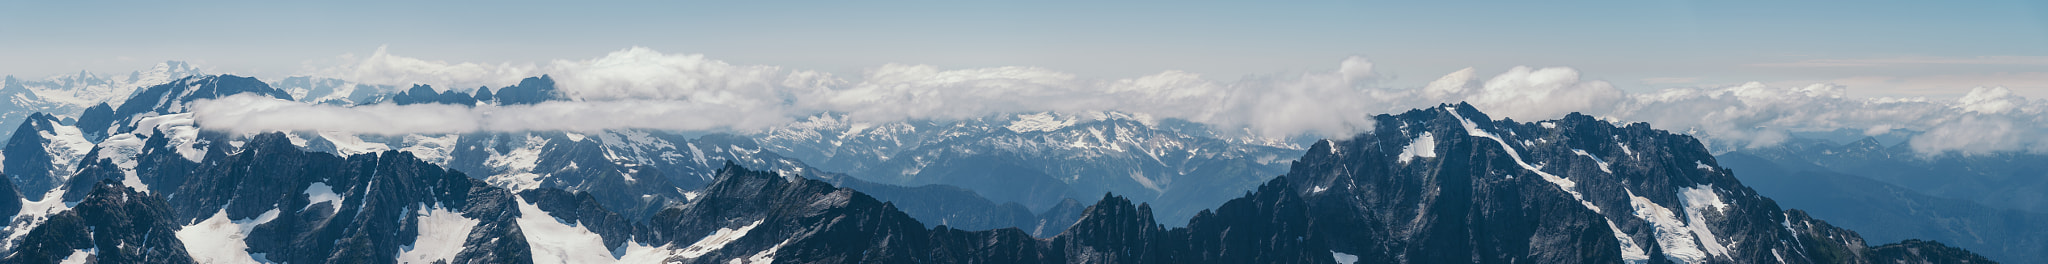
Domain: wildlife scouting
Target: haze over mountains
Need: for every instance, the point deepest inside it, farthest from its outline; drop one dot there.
(308, 169)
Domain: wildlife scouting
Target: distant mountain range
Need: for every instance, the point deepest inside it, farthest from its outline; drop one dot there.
(137, 181)
(1038, 160)
(1985, 203)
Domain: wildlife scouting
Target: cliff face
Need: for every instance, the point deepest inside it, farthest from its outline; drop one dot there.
(1448, 184)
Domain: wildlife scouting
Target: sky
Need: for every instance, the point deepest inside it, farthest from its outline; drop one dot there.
(1939, 49)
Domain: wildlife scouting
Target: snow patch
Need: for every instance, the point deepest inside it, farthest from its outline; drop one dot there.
(765, 256)
(1596, 160)
(1698, 200)
(1421, 147)
(1040, 122)
(32, 214)
(855, 129)
(717, 240)
(1674, 236)
(350, 144)
(552, 241)
(1702, 165)
(121, 150)
(65, 144)
(515, 168)
(219, 240)
(1147, 182)
(434, 150)
(1630, 251)
(1342, 258)
(441, 234)
(636, 253)
(78, 256)
(320, 192)
(182, 134)
(697, 155)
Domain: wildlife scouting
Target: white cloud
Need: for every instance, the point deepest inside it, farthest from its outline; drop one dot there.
(2030, 84)
(642, 73)
(249, 113)
(1536, 94)
(643, 88)
(381, 67)
(1753, 115)
(691, 85)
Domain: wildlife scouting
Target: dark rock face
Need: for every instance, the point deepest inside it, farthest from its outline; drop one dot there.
(381, 199)
(29, 163)
(805, 221)
(483, 94)
(10, 201)
(1918, 251)
(94, 121)
(531, 90)
(115, 224)
(1113, 231)
(423, 94)
(1273, 220)
(817, 222)
(1575, 190)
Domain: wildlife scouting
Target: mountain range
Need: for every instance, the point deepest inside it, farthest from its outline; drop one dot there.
(1864, 184)
(142, 182)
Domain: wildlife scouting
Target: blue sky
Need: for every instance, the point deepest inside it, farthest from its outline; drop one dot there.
(1934, 48)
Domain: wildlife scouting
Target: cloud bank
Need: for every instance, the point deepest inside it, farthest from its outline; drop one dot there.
(688, 86)
(643, 88)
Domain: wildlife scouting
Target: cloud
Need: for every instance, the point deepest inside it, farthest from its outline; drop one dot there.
(1334, 102)
(1535, 94)
(2031, 84)
(381, 67)
(644, 88)
(250, 113)
(1318, 102)
(648, 74)
(1989, 120)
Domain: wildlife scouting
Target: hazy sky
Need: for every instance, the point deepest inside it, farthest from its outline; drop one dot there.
(1935, 48)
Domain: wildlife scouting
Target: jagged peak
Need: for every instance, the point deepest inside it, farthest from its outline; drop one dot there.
(269, 140)
(1112, 207)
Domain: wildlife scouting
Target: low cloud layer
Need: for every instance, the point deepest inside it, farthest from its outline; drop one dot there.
(250, 113)
(643, 88)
